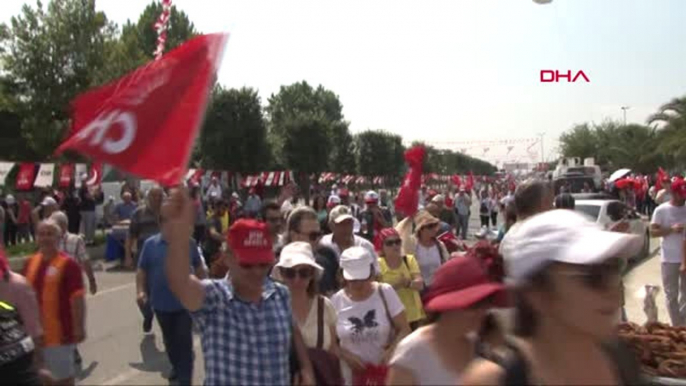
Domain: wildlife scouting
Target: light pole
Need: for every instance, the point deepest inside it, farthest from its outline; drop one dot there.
(625, 108)
(540, 135)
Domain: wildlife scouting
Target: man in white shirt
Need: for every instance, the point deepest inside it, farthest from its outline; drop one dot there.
(668, 223)
(341, 222)
(214, 189)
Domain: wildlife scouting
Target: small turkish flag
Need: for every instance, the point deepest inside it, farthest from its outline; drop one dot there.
(26, 176)
(146, 122)
(66, 174)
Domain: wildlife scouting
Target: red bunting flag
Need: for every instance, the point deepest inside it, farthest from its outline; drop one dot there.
(66, 174)
(26, 176)
(146, 122)
(470, 182)
(407, 201)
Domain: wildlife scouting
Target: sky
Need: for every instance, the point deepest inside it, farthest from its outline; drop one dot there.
(460, 74)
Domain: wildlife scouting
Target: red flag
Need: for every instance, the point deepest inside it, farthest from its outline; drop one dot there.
(470, 182)
(661, 176)
(95, 175)
(145, 123)
(407, 201)
(457, 181)
(4, 263)
(66, 173)
(26, 176)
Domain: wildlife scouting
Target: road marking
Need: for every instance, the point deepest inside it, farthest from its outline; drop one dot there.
(128, 375)
(113, 289)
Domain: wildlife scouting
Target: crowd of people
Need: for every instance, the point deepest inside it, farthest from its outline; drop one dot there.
(348, 290)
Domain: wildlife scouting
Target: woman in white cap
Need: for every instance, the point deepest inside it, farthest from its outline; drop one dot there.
(315, 315)
(371, 319)
(566, 278)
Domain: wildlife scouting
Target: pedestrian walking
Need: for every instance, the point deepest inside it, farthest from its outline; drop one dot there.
(463, 204)
(669, 222)
(174, 320)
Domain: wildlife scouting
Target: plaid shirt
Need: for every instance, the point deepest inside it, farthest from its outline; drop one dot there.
(245, 343)
(74, 246)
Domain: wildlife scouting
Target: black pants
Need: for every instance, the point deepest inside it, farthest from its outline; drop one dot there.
(177, 335)
(485, 220)
(199, 234)
(10, 233)
(494, 219)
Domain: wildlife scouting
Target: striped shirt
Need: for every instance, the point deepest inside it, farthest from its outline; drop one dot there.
(56, 282)
(245, 343)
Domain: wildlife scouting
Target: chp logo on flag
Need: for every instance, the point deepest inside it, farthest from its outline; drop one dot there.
(145, 123)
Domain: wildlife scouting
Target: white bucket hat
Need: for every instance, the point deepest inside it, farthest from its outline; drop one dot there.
(294, 254)
(562, 236)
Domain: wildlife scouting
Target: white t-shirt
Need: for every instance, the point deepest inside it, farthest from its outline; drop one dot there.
(416, 354)
(309, 328)
(363, 327)
(667, 215)
(429, 260)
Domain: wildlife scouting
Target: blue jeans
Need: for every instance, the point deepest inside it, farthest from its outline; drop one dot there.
(463, 221)
(178, 341)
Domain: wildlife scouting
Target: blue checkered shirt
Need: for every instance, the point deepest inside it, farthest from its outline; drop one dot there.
(245, 343)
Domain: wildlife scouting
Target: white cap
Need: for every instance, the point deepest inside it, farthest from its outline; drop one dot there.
(438, 198)
(371, 196)
(296, 253)
(340, 214)
(10, 199)
(356, 263)
(48, 201)
(562, 236)
(334, 200)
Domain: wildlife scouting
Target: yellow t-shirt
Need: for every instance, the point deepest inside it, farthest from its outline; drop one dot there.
(409, 297)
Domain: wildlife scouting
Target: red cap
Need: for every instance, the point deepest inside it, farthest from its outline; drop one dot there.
(679, 187)
(250, 242)
(462, 283)
(343, 192)
(382, 236)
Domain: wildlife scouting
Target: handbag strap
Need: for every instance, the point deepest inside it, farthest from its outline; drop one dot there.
(385, 304)
(320, 322)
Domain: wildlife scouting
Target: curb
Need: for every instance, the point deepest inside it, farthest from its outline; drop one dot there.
(96, 253)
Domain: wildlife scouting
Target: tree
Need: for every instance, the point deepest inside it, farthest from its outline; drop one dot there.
(306, 146)
(342, 159)
(51, 56)
(299, 100)
(234, 135)
(671, 138)
(380, 153)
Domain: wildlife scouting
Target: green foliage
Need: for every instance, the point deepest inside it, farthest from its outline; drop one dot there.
(306, 143)
(234, 135)
(448, 162)
(379, 153)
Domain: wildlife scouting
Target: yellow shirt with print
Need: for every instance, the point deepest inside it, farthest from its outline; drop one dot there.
(409, 297)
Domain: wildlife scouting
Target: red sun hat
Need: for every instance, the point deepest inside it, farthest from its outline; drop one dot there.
(462, 283)
(250, 242)
(382, 236)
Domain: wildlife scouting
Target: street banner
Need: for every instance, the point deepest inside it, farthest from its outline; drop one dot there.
(146, 122)
(66, 175)
(46, 174)
(5, 169)
(26, 176)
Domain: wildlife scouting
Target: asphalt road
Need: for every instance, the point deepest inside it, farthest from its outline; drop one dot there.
(117, 353)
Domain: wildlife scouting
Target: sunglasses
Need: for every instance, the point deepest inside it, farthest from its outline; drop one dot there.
(597, 277)
(390, 243)
(291, 273)
(313, 236)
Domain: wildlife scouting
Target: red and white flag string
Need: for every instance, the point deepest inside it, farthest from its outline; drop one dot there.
(161, 27)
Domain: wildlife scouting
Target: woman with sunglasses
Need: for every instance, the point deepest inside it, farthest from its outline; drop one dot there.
(430, 252)
(457, 302)
(371, 319)
(565, 272)
(402, 273)
(313, 313)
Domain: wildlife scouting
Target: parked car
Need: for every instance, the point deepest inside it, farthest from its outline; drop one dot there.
(613, 214)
